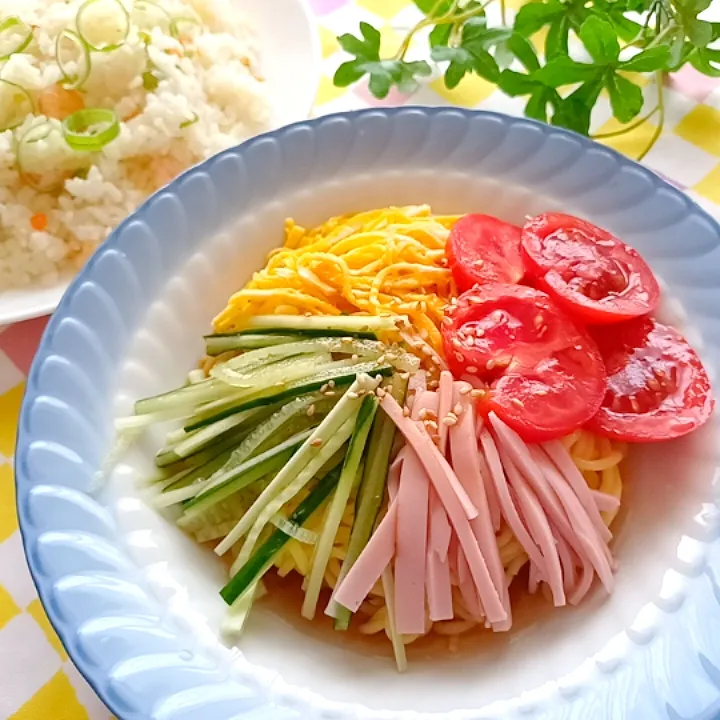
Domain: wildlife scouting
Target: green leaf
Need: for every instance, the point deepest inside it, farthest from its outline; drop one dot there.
(350, 44)
(372, 38)
(427, 7)
(537, 105)
(484, 65)
(574, 112)
(348, 73)
(626, 29)
(515, 84)
(367, 48)
(626, 97)
(454, 74)
(702, 60)
(649, 60)
(380, 85)
(535, 15)
(556, 42)
(698, 32)
(562, 70)
(440, 35)
(600, 40)
(442, 53)
(523, 50)
(676, 49)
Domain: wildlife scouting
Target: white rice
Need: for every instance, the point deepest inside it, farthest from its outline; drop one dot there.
(210, 83)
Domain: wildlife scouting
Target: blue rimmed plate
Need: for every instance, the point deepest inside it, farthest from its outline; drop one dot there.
(136, 602)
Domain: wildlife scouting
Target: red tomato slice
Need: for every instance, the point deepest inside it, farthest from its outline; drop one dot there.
(589, 272)
(544, 374)
(657, 386)
(482, 249)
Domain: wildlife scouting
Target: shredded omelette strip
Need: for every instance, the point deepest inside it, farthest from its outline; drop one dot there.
(379, 262)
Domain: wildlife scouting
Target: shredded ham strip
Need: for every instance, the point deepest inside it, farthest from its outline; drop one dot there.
(450, 488)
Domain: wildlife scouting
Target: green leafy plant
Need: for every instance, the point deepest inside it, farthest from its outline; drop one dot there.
(619, 37)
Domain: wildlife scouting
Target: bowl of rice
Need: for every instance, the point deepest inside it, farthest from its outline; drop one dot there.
(103, 102)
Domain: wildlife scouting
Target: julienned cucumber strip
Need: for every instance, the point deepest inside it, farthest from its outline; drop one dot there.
(345, 409)
(244, 474)
(292, 368)
(343, 375)
(263, 557)
(189, 479)
(263, 357)
(185, 398)
(333, 445)
(218, 344)
(207, 436)
(348, 479)
(272, 426)
(348, 324)
(204, 456)
(372, 492)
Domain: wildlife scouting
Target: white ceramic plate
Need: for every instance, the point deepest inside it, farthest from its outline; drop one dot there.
(136, 602)
(290, 56)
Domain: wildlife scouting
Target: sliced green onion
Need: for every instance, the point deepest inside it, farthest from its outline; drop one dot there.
(150, 81)
(91, 129)
(67, 43)
(15, 105)
(180, 26)
(188, 123)
(15, 36)
(146, 15)
(96, 37)
(49, 180)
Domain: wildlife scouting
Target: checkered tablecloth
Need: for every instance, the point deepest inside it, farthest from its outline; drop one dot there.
(37, 681)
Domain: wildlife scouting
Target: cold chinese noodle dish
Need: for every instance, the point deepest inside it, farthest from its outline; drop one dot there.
(404, 410)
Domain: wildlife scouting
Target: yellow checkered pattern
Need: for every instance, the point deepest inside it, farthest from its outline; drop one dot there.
(37, 681)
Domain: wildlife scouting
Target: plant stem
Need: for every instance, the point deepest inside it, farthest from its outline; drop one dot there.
(448, 17)
(626, 128)
(428, 20)
(503, 12)
(659, 81)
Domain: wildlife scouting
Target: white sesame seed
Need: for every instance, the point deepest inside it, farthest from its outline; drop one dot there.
(354, 357)
(472, 369)
(458, 409)
(459, 357)
(450, 419)
(538, 320)
(477, 393)
(423, 414)
(447, 320)
(405, 375)
(517, 402)
(310, 411)
(380, 393)
(490, 364)
(431, 425)
(406, 411)
(352, 395)
(331, 383)
(329, 393)
(456, 342)
(465, 389)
